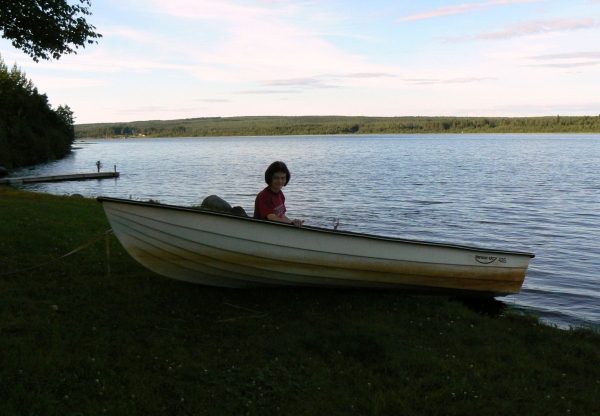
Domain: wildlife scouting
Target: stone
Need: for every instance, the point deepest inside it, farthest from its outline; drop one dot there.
(3, 172)
(77, 196)
(239, 211)
(214, 203)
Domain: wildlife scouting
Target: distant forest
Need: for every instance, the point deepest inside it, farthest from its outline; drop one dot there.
(276, 125)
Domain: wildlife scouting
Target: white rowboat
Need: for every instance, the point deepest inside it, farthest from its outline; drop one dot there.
(219, 249)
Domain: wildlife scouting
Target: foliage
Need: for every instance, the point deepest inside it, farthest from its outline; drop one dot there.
(30, 130)
(46, 28)
(269, 126)
(76, 341)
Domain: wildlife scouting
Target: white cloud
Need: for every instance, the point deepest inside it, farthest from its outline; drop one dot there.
(369, 75)
(60, 83)
(567, 65)
(151, 109)
(104, 61)
(126, 33)
(589, 59)
(298, 82)
(529, 27)
(262, 43)
(568, 55)
(547, 109)
(213, 100)
(253, 50)
(266, 92)
(448, 81)
(461, 9)
(534, 27)
(211, 10)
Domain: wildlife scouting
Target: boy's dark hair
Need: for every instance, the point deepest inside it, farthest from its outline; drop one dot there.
(273, 169)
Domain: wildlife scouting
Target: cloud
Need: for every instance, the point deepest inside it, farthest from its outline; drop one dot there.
(545, 109)
(126, 33)
(590, 59)
(264, 47)
(155, 110)
(210, 10)
(298, 82)
(258, 42)
(369, 75)
(567, 65)
(461, 9)
(61, 83)
(213, 100)
(466, 80)
(104, 60)
(319, 81)
(570, 55)
(529, 27)
(266, 92)
(454, 39)
(534, 27)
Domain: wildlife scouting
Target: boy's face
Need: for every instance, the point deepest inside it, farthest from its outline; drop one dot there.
(278, 181)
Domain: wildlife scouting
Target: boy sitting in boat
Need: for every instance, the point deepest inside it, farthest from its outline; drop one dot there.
(270, 202)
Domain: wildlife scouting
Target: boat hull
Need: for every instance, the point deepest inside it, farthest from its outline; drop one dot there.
(222, 250)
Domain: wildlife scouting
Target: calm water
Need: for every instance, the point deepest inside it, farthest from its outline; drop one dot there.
(536, 193)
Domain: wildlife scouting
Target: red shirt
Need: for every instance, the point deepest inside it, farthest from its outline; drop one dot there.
(267, 202)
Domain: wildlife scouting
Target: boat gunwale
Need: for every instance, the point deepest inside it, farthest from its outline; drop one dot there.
(309, 228)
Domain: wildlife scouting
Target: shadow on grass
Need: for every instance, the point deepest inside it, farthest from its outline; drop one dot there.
(484, 306)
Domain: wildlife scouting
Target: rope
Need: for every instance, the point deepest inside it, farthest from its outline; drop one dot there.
(81, 247)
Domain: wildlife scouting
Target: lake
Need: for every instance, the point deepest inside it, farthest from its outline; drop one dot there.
(525, 192)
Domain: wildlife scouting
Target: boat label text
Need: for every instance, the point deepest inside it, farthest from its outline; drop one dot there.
(485, 259)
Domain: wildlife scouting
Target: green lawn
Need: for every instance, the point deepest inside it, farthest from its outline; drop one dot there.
(76, 341)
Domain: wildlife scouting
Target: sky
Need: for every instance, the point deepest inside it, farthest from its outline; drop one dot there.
(175, 59)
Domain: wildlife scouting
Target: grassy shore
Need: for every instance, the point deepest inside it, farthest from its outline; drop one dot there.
(76, 341)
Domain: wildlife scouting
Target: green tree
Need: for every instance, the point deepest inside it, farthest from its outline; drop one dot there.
(66, 115)
(30, 130)
(46, 28)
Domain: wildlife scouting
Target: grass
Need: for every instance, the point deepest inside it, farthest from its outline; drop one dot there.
(76, 341)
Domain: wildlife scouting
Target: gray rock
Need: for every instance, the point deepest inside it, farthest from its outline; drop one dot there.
(3, 172)
(239, 211)
(77, 196)
(214, 203)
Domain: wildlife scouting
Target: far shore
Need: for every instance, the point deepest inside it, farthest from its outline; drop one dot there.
(334, 125)
(336, 135)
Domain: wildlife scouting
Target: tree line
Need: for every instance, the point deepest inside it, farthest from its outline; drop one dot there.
(270, 126)
(30, 130)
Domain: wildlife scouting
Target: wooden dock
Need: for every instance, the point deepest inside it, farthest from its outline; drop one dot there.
(57, 178)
